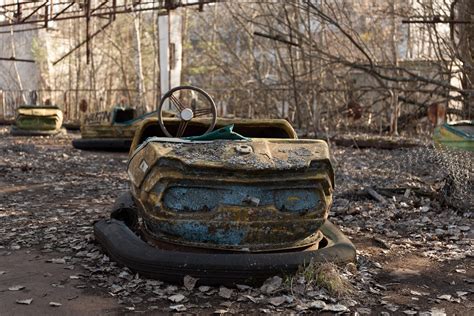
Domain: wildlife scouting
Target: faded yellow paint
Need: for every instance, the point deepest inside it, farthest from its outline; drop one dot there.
(108, 131)
(39, 118)
(152, 122)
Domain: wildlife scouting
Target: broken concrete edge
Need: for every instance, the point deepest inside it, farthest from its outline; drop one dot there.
(125, 247)
(103, 144)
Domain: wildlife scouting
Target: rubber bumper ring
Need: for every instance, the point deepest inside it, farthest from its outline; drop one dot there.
(125, 247)
(103, 144)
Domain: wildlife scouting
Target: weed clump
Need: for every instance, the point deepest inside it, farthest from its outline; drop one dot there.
(327, 276)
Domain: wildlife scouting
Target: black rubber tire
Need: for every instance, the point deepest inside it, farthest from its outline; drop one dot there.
(128, 249)
(103, 144)
(125, 210)
(24, 132)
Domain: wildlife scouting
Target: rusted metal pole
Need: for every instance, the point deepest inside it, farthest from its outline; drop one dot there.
(88, 38)
(17, 59)
(46, 16)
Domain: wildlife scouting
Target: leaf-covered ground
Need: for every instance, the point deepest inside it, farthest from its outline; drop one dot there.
(414, 244)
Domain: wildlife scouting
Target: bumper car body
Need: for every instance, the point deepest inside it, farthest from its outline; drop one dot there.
(457, 135)
(111, 131)
(244, 201)
(37, 120)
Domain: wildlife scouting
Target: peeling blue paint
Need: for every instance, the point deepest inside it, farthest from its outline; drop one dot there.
(200, 199)
(197, 232)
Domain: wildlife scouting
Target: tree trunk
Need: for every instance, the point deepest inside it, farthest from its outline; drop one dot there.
(395, 103)
(140, 80)
(466, 53)
(17, 74)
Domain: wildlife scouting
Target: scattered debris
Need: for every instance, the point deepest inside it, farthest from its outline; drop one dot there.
(407, 223)
(376, 196)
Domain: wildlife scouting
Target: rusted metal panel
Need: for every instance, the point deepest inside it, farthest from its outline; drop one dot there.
(105, 124)
(268, 128)
(273, 196)
(266, 155)
(108, 131)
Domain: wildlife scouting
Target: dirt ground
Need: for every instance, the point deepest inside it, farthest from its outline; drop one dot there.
(414, 248)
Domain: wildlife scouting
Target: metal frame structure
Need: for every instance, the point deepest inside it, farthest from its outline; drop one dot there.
(39, 14)
(43, 12)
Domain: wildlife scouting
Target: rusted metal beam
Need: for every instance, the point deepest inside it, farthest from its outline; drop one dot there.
(99, 6)
(84, 41)
(88, 39)
(34, 11)
(102, 10)
(18, 59)
(436, 21)
(46, 16)
(18, 12)
(23, 30)
(63, 10)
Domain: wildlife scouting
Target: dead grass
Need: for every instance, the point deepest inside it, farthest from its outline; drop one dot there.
(325, 275)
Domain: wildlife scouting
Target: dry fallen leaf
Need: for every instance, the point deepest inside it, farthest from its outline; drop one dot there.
(337, 308)
(225, 292)
(318, 304)
(271, 284)
(446, 297)
(277, 301)
(25, 301)
(16, 288)
(176, 298)
(178, 308)
(204, 288)
(189, 282)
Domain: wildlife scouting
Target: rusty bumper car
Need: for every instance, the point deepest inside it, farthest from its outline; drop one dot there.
(237, 204)
(38, 121)
(110, 130)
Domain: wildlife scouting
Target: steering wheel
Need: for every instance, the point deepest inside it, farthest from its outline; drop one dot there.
(187, 112)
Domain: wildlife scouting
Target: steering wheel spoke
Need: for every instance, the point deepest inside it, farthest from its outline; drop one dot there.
(181, 128)
(187, 113)
(202, 112)
(175, 101)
